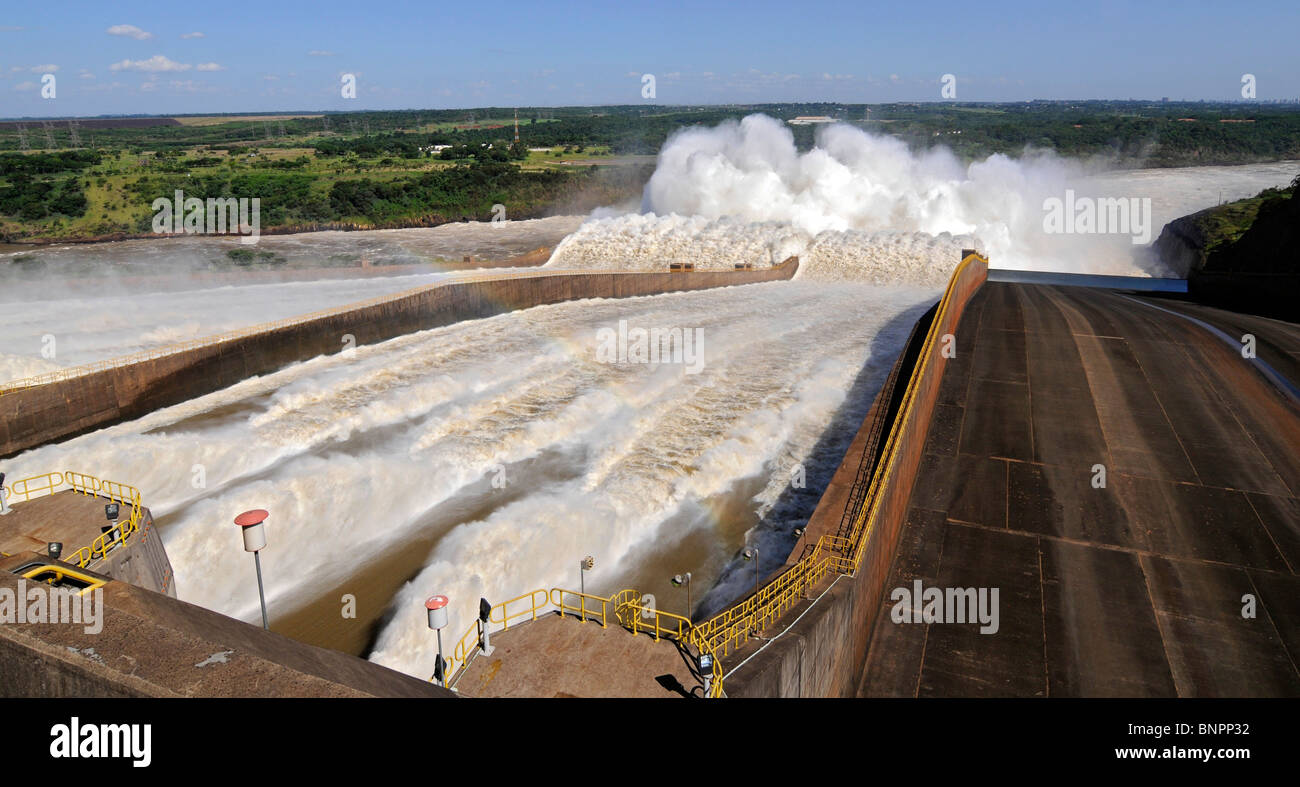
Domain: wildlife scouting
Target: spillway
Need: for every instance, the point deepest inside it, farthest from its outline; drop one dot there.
(487, 457)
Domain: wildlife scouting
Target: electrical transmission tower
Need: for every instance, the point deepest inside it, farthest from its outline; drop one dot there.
(22, 137)
(72, 133)
(49, 134)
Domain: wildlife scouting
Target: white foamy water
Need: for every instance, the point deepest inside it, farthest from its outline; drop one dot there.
(863, 206)
(88, 328)
(356, 454)
(46, 324)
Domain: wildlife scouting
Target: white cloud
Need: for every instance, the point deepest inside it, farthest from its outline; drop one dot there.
(85, 74)
(210, 67)
(321, 53)
(29, 85)
(11, 28)
(270, 77)
(195, 34)
(155, 63)
(131, 31)
(45, 69)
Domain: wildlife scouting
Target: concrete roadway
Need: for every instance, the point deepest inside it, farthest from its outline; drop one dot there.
(1142, 587)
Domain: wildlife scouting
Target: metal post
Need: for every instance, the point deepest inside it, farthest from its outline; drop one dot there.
(443, 680)
(261, 594)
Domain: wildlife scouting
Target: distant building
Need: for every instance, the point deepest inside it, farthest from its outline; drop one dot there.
(808, 120)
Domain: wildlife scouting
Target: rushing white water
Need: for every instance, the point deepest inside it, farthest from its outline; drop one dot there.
(501, 451)
(95, 301)
(860, 205)
(354, 453)
(77, 330)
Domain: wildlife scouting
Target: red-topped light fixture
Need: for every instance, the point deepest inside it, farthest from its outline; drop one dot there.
(253, 524)
(436, 607)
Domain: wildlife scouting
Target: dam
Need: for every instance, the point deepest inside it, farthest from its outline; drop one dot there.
(976, 465)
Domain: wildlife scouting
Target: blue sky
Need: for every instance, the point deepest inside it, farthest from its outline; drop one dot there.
(147, 57)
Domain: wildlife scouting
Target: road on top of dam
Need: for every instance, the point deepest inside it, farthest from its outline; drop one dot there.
(1128, 481)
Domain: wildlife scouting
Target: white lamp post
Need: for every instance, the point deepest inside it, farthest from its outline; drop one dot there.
(584, 565)
(751, 553)
(254, 527)
(437, 610)
(679, 580)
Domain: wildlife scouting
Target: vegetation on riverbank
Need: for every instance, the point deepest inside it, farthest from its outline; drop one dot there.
(422, 168)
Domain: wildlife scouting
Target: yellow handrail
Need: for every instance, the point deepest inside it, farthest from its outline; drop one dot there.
(36, 486)
(500, 613)
(733, 627)
(81, 483)
(581, 610)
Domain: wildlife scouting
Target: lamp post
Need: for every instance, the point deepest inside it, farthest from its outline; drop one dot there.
(437, 610)
(751, 553)
(253, 524)
(4, 496)
(679, 580)
(111, 512)
(584, 565)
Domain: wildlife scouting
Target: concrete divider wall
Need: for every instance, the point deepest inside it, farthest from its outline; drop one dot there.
(64, 409)
(824, 653)
(142, 560)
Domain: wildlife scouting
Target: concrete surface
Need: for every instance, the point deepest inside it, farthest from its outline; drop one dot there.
(1137, 588)
(76, 520)
(151, 645)
(565, 657)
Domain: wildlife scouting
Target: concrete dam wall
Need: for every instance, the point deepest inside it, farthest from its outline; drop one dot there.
(73, 405)
(822, 651)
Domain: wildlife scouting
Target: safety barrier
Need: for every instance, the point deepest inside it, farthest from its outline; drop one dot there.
(81, 483)
(734, 627)
(465, 647)
(833, 554)
(623, 608)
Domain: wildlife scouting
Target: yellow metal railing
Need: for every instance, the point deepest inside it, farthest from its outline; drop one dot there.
(832, 554)
(53, 575)
(732, 628)
(81, 483)
(586, 606)
(623, 608)
(501, 613)
(35, 486)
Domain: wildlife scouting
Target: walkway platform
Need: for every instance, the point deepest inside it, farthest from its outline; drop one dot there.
(70, 517)
(567, 657)
(1178, 577)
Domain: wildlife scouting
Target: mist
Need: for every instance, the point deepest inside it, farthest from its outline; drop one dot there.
(863, 206)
